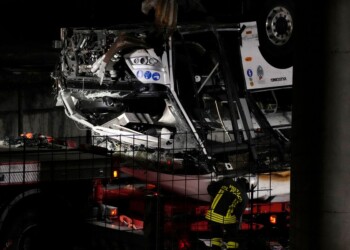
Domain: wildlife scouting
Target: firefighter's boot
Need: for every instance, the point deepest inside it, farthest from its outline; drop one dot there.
(216, 243)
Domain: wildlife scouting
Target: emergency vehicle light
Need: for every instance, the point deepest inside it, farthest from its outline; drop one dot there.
(115, 173)
(273, 219)
(113, 212)
(109, 211)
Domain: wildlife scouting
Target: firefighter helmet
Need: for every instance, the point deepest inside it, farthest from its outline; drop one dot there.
(250, 181)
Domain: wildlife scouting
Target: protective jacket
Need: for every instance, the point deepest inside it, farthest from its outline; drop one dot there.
(230, 200)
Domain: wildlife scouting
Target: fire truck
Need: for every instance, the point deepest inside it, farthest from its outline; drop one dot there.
(58, 196)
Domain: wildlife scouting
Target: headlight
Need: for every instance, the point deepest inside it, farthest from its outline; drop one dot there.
(144, 60)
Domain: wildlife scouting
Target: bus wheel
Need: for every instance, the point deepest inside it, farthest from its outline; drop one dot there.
(276, 32)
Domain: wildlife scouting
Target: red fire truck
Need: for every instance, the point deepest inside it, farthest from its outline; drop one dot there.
(75, 198)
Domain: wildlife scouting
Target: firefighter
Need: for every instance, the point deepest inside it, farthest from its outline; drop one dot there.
(230, 198)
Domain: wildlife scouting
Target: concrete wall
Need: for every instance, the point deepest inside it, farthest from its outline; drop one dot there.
(320, 207)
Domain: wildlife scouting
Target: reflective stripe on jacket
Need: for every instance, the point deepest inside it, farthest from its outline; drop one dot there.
(227, 202)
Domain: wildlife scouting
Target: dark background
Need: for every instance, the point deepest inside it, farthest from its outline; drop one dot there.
(29, 27)
(39, 21)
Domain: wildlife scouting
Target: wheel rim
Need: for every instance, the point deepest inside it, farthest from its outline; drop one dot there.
(279, 26)
(29, 238)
